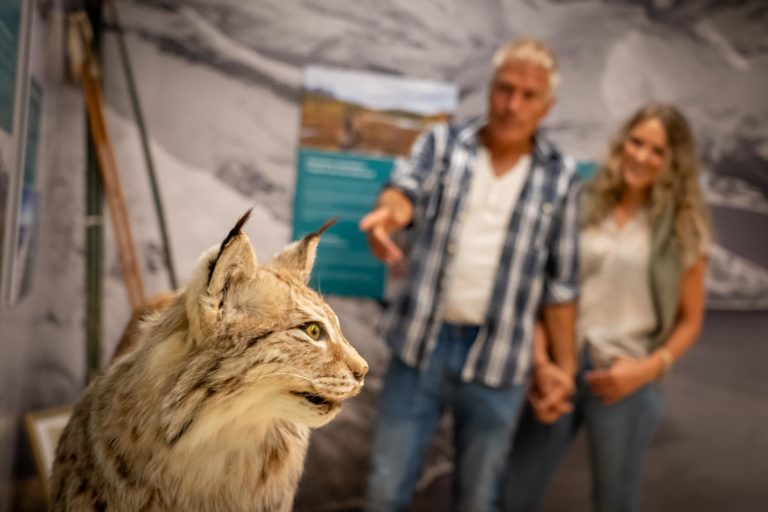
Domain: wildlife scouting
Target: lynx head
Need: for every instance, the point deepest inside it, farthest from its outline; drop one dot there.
(257, 344)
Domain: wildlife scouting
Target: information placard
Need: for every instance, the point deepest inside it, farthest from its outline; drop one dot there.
(353, 127)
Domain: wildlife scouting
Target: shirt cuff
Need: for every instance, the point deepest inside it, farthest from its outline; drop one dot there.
(561, 293)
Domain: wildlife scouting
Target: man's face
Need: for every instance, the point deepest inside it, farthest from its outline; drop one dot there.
(519, 98)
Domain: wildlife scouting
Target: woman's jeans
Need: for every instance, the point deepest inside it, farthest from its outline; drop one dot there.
(618, 436)
(410, 406)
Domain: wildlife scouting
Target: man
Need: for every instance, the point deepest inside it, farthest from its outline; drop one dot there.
(493, 206)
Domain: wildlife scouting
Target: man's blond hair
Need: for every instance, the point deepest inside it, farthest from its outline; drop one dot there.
(529, 50)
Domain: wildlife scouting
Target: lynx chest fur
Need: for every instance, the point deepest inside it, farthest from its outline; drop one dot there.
(211, 410)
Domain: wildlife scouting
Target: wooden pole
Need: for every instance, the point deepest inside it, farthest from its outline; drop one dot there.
(112, 188)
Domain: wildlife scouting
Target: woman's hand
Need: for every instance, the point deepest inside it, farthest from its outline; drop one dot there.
(551, 392)
(622, 378)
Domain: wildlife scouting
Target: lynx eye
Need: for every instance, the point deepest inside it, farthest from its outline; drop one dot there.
(314, 330)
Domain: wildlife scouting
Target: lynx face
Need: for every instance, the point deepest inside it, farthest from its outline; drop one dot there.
(262, 344)
(310, 360)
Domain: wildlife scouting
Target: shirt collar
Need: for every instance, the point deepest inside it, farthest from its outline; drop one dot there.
(469, 135)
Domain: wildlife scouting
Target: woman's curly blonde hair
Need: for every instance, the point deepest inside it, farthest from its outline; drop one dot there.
(677, 186)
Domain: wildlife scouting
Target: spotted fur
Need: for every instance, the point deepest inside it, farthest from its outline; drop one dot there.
(211, 407)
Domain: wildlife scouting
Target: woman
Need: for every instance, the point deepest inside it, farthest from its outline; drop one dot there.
(644, 239)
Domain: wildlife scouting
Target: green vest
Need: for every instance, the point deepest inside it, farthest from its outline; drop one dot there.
(666, 272)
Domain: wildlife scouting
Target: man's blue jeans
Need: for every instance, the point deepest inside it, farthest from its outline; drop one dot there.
(410, 407)
(618, 436)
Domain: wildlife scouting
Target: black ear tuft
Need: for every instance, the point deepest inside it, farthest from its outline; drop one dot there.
(330, 222)
(235, 230)
(232, 234)
(299, 256)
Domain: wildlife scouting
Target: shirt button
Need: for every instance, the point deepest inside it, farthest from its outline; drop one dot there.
(452, 248)
(547, 208)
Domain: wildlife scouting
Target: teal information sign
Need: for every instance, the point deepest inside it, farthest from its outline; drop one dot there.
(341, 186)
(354, 124)
(586, 170)
(10, 22)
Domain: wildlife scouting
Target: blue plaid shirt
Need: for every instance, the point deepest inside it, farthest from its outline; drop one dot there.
(538, 261)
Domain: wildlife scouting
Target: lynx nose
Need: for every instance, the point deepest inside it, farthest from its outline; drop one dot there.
(360, 372)
(358, 366)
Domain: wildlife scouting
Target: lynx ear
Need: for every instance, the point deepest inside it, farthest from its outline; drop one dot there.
(235, 259)
(299, 256)
(216, 277)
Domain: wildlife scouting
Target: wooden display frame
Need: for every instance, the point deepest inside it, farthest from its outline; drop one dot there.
(44, 428)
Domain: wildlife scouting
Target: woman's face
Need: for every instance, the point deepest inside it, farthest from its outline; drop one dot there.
(645, 154)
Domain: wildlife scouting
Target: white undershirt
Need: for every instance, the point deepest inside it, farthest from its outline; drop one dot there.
(480, 235)
(616, 313)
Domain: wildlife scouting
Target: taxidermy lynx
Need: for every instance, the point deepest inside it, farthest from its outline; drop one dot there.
(211, 409)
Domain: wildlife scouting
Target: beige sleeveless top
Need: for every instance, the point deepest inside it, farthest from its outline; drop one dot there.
(616, 310)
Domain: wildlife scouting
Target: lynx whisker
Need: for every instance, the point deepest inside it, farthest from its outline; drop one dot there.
(290, 367)
(276, 374)
(299, 373)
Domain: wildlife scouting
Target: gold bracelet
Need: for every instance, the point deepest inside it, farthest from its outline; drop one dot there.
(667, 359)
